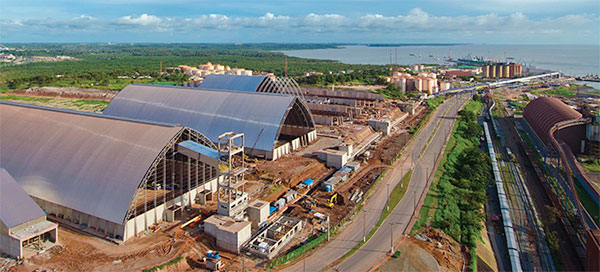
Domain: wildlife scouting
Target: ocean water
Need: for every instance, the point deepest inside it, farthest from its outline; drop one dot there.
(593, 84)
(576, 60)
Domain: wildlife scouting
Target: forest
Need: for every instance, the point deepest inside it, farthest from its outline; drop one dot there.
(99, 64)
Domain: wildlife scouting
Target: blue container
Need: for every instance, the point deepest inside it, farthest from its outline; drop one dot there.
(272, 209)
(308, 182)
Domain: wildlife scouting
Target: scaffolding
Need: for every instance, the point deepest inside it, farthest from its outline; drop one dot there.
(284, 85)
(231, 200)
(172, 175)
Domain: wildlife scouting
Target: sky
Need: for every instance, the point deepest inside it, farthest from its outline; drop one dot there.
(302, 21)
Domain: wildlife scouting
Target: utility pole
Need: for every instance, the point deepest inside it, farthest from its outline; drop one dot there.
(304, 251)
(304, 261)
(328, 228)
(286, 66)
(396, 49)
(388, 195)
(392, 237)
(414, 202)
(364, 226)
(391, 62)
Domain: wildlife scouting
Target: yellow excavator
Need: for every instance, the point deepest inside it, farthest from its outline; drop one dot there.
(332, 200)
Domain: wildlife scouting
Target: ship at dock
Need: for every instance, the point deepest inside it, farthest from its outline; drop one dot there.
(472, 61)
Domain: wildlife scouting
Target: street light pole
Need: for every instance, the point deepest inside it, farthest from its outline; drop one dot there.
(414, 203)
(392, 237)
(303, 254)
(364, 226)
(328, 228)
(388, 195)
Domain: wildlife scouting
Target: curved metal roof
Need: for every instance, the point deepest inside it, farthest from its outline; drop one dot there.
(264, 84)
(16, 207)
(542, 113)
(259, 116)
(232, 82)
(86, 162)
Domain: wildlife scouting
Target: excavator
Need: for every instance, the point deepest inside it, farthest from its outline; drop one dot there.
(332, 200)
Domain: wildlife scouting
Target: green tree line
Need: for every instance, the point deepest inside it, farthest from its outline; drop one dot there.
(462, 187)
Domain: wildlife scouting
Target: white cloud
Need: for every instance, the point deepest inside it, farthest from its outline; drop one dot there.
(143, 20)
(414, 22)
(85, 17)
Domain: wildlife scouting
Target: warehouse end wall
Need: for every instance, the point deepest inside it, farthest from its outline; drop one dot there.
(155, 215)
(10, 246)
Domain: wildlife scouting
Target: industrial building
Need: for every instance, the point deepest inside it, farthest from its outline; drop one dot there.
(107, 176)
(258, 83)
(258, 213)
(424, 82)
(331, 114)
(23, 225)
(344, 97)
(273, 124)
(545, 112)
(336, 107)
(503, 70)
(592, 135)
(230, 234)
(270, 241)
(592, 250)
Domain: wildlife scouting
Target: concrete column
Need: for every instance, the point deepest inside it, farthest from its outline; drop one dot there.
(189, 167)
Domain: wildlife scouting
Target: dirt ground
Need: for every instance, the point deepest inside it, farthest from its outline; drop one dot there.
(90, 105)
(68, 92)
(81, 252)
(389, 149)
(445, 250)
(285, 173)
(412, 258)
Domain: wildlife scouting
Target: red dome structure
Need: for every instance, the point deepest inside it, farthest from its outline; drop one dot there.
(543, 112)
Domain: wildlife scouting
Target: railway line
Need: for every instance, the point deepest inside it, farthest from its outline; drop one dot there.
(535, 254)
(538, 194)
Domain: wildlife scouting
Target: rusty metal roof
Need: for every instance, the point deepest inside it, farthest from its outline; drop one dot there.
(87, 162)
(542, 113)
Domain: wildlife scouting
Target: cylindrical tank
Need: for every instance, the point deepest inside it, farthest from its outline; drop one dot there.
(403, 84)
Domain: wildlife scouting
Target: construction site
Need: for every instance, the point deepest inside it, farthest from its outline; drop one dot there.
(226, 182)
(237, 177)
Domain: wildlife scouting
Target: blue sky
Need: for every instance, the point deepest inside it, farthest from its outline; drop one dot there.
(349, 21)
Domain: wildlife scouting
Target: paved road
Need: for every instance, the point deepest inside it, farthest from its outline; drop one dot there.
(354, 231)
(379, 245)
